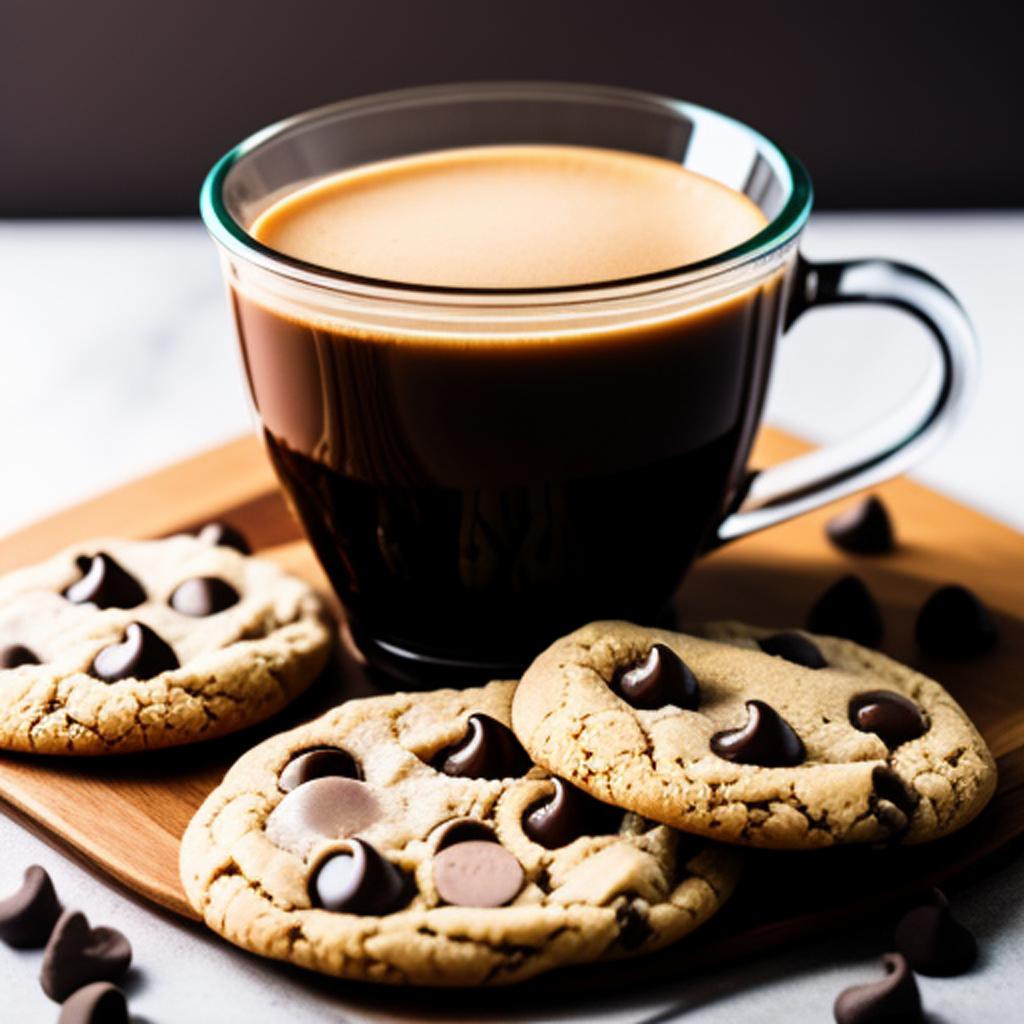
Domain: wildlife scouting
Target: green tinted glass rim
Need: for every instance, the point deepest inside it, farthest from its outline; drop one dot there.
(778, 233)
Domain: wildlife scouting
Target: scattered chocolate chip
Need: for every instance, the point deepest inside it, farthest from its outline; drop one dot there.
(140, 655)
(893, 1000)
(358, 880)
(489, 750)
(463, 830)
(634, 928)
(98, 1003)
(16, 655)
(890, 715)
(935, 943)
(766, 739)
(477, 874)
(889, 787)
(27, 916)
(847, 610)
(225, 536)
(864, 529)
(953, 623)
(202, 596)
(794, 647)
(77, 954)
(316, 764)
(567, 814)
(332, 807)
(661, 678)
(105, 584)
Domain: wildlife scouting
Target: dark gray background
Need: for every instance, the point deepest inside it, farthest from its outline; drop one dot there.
(120, 106)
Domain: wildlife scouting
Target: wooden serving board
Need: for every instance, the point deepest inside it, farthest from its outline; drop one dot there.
(125, 814)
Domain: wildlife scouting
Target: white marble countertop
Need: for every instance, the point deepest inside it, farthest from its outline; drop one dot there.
(112, 323)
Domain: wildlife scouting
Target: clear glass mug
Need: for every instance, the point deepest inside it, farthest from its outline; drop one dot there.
(480, 470)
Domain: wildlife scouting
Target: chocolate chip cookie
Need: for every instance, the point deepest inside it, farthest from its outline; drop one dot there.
(115, 646)
(409, 839)
(784, 740)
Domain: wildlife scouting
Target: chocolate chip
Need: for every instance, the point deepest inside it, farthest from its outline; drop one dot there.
(105, 584)
(893, 999)
(953, 623)
(98, 1003)
(328, 808)
(357, 880)
(890, 715)
(935, 943)
(77, 954)
(225, 536)
(315, 764)
(477, 874)
(900, 803)
(661, 678)
(766, 739)
(567, 814)
(202, 596)
(847, 610)
(794, 647)
(463, 830)
(141, 654)
(16, 655)
(634, 928)
(489, 750)
(27, 916)
(864, 529)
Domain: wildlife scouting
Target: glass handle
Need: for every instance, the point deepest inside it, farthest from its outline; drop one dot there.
(808, 481)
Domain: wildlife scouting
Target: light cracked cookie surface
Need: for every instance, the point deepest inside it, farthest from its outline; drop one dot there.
(822, 779)
(254, 857)
(245, 645)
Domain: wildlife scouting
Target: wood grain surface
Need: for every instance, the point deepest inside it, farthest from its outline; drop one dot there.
(125, 814)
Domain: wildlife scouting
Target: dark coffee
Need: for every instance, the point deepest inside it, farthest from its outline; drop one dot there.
(472, 499)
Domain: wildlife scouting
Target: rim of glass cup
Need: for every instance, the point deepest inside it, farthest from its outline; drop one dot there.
(774, 236)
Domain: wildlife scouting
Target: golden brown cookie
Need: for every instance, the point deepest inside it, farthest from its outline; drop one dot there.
(115, 646)
(408, 839)
(782, 740)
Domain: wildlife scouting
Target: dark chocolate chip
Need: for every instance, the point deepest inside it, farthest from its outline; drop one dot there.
(901, 802)
(202, 596)
(634, 928)
(16, 655)
(661, 678)
(225, 536)
(463, 830)
(794, 647)
(566, 814)
(935, 943)
(105, 584)
(864, 529)
(766, 739)
(893, 1000)
(953, 623)
(317, 763)
(356, 879)
(891, 716)
(98, 1003)
(847, 610)
(489, 750)
(27, 916)
(77, 954)
(477, 874)
(141, 654)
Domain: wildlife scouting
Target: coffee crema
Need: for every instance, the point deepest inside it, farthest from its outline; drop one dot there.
(473, 500)
(524, 216)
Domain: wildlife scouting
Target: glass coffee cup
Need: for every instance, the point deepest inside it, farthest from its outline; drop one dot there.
(481, 469)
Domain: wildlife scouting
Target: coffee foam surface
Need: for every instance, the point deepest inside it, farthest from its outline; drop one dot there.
(516, 216)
